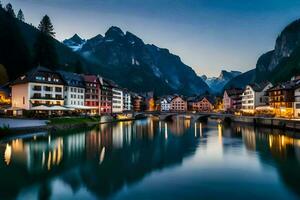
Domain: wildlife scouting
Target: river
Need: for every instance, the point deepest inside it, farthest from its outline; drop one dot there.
(150, 159)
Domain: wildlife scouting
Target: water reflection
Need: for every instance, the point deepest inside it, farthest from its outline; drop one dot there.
(102, 162)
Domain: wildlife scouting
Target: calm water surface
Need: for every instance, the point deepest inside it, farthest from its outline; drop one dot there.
(149, 159)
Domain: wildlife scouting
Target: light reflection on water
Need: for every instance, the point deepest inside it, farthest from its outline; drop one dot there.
(149, 159)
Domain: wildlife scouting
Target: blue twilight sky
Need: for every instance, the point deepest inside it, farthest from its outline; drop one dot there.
(208, 35)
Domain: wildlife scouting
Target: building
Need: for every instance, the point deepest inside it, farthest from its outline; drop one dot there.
(232, 99)
(139, 103)
(296, 103)
(165, 103)
(5, 95)
(106, 96)
(40, 86)
(282, 98)
(74, 90)
(202, 104)
(127, 104)
(117, 100)
(254, 96)
(150, 101)
(178, 104)
(92, 93)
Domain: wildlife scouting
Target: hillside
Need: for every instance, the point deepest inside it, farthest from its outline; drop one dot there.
(133, 64)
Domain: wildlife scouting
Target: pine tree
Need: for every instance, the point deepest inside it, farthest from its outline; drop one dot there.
(9, 9)
(1, 4)
(20, 16)
(46, 26)
(44, 49)
(14, 52)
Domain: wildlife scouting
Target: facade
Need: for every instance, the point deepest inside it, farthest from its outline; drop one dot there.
(106, 96)
(254, 96)
(40, 86)
(165, 104)
(127, 104)
(5, 95)
(92, 93)
(232, 99)
(178, 104)
(282, 98)
(139, 103)
(117, 100)
(296, 104)
(74, 90)
(202, 104)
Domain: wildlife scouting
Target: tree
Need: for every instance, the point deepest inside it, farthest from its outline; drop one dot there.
(14, 52)
(44, 48)
(3, 75)
(9, 9)
(20, 16)
(46, 26)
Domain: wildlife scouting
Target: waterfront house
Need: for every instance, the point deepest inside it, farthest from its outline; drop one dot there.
(39, 89)
(254, 96)
(178, 104)
(5, 95)
(232, 99)
(74, 90)
(106, 95)
(117, 99)
(165, 103)
(282, 98)
(296, 103)
(127, 104)
(150, 101)
(92, 93)
(139, 103)
(201, 104)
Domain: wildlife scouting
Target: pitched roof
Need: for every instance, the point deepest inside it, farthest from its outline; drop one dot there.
(289, 85)
(31, 75)
(90, 78)
(234, 91)
(258, 87)
(72, 79)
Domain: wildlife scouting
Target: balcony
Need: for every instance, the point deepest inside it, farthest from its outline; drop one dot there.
(39, 97)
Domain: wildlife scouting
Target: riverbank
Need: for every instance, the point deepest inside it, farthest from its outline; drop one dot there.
(278, 123)
(11, 126)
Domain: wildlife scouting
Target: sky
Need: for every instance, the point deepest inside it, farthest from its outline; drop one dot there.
(208, 35)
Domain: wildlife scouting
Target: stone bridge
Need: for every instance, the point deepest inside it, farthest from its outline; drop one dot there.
(167, 116)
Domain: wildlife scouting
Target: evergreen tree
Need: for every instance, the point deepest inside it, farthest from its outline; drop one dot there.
(1, 4)
(9, 9)
(20, 16)
(14, 53)
(44, 48)
(46, 26)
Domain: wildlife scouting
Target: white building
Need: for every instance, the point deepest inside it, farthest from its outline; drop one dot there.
(117, 100)
(165, 104)
(74, 90)
(255, 96)
(127, 104)
(40, 86)
(297, 102)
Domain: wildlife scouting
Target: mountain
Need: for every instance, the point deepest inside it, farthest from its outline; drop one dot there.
(216, 84)
(241, 80)
(283, 62)
(75, 42)
(119, 56)
(138, 66)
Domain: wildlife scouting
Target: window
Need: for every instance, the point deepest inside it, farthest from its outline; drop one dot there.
(23, 100)
(57, 89)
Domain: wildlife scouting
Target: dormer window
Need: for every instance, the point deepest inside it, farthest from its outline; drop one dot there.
(40, 78)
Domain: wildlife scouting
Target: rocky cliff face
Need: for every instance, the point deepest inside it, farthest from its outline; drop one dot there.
(138, 66)
(286, 43)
